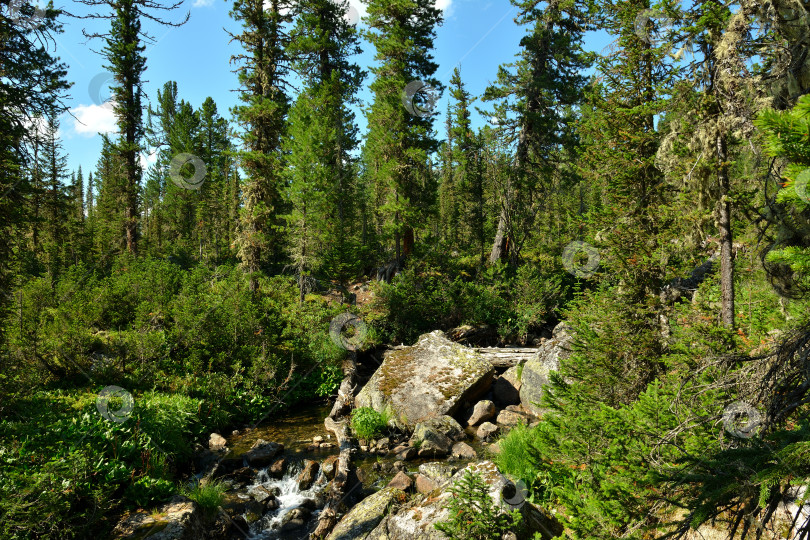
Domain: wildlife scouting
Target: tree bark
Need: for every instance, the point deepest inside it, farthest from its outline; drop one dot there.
(340, 486)
(724, 224)
(499, 245)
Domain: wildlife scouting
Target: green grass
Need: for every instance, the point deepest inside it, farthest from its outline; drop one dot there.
(209, 494)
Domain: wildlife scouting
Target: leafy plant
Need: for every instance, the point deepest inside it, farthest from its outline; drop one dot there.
(368, 423)
(473, 513)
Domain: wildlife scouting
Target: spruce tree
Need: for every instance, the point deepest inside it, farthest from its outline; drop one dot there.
(399, 142)
(320, 140)
(263, 70)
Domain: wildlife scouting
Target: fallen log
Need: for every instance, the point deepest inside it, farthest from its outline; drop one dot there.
(506, 357)
(338, 424)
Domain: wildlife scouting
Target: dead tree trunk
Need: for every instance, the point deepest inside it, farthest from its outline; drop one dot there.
(340, 486)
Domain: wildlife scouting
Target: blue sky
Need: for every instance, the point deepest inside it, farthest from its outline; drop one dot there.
(477, 35)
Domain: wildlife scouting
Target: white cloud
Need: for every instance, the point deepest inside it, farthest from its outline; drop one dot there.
(446, 6)
(203, 3)
(93, 119)
(149, 159)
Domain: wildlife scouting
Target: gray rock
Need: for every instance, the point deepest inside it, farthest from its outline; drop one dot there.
(431, 441)
(179, 519)
(407, 454)
(262, 453)
(425, 485)
(506, 388)
(484, 410)
(259, 493)
(365, 515)
(216, 441)
(536, 371)
(486, 430)
(432, 378)
(437, 471)
(511, 419)
(463, 450)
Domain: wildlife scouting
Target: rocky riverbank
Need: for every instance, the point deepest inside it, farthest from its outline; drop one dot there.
(447, 403)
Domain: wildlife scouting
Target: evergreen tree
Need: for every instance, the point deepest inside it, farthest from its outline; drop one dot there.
(124, 51)
(535, 99)
(56, 204)
(320, 140)
(263, 70)
(399, 142)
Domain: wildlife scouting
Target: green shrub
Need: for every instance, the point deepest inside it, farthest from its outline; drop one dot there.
(473, 516)
(147, 490)
(368, 423)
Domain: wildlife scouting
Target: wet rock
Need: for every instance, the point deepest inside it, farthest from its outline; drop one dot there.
(365, 515)
(216, 441)
(234, 433)
(435, 377)
(260, 493)
(486, 430)
(328, 467)
(484, 410)
(326, 445)
(463, 450)
(506, 389)
(262, 453)
(425, 485)
(309, 504)
(308, 474)
(407, 454)
(431, 443)
(253, 510)
(179, 519)
(242, 475)
(534, 376)
(401, 482)
(278, 468)
(317, 439)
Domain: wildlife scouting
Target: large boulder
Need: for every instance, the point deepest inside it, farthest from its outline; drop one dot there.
(262, 453)
(179, 519)
(416, 521)
(534, 376)
(365, 515)
(432, 378)
(506, 388)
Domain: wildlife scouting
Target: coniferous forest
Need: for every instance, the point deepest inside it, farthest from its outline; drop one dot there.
(653, 195)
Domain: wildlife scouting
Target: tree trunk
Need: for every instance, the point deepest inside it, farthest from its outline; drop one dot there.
(407, 242)
(724, 224)
(499, 246)
(340, 486)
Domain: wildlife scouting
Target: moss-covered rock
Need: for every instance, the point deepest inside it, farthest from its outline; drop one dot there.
(534, 376)
(365, 516)
(432, 378)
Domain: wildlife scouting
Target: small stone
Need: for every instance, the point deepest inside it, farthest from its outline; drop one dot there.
(495, 448)
(510, 418)
(399, 449)
(328, 467)
(259, 493)
(407, 454)
(364, 448)
(400, 466)
(216, 441)
(486, 430)
(278, 468)
(317, 439)
(326, 445)
(484, 410)
(401, 481)
(425, 485)
(234, 433)
(308, 474)
(463, 450)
